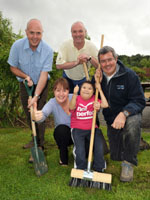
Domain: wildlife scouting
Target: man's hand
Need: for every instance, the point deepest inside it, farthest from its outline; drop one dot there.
(119, 121)
(29, 80)
(98, 75)
(83, 58)
(98, 86)
(32, 101)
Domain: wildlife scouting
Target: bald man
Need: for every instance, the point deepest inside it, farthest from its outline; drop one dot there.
(31, 59)
(73, 53)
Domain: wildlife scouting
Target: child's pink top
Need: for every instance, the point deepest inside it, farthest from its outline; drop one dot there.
(82, 116)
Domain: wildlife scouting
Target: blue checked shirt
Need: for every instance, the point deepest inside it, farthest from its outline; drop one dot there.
(31, 62)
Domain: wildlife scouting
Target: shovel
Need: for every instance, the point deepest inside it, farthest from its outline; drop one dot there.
(39, 161)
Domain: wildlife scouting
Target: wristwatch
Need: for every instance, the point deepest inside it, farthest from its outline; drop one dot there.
(126, 113)
(89, 58)
(36, 95)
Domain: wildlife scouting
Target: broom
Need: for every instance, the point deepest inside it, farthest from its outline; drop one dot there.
(87, 178)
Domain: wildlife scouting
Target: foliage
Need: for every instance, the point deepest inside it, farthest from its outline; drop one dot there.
(140, 72)
(138, 63)
(54, 74)
(145, 62)
(9, 101)
(19, 182)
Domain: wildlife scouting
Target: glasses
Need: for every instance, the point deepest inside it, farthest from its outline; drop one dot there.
(107, 60)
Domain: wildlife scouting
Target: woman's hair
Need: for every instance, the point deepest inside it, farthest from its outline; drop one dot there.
(88, 82)
(61, 81)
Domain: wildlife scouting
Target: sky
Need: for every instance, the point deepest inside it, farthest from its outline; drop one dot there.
(124, 23)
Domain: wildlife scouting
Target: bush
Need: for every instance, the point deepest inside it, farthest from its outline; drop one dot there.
(9, 88)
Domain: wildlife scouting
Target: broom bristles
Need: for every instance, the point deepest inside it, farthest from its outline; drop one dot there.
(76, 182)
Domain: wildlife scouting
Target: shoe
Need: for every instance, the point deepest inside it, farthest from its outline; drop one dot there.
(127, 172)
(29, 145)
(62, 164)
(143, 144)
(101, 169)
(30, 159)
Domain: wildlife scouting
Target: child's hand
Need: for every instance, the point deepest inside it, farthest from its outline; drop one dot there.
(76, 89)
(97, 106)
(37, 115)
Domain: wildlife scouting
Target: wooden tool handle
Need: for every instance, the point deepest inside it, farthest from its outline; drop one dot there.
(86, 71)
(94, 118)
(32, 122)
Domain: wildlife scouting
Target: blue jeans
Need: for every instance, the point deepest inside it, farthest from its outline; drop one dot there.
(73, 83)
(124, 143)
(81, 138)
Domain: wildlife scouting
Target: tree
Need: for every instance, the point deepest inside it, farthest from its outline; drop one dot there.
(9, 88)
(145, 62)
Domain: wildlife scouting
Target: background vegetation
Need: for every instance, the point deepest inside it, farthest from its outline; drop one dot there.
(10, 108)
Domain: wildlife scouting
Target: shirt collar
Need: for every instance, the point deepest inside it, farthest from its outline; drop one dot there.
(84, 47)
(109, 77)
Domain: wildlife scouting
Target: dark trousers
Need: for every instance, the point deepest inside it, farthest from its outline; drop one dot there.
(73, 83)
(62, 135)
(40, 128)
(80, 138)
(124, 143)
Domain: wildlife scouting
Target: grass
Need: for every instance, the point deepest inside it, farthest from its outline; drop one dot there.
(19, 182)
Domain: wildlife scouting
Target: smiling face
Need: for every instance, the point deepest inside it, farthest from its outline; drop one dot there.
(78, 32)
(61, 94)
(108, 63)
(34, 33)
(86, 91)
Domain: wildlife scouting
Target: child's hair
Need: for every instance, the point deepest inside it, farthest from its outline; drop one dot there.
(88, 82)
(61, 81)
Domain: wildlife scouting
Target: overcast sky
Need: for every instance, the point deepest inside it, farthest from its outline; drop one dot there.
(124, 23)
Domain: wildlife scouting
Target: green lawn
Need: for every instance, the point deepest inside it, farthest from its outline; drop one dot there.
(19, 182)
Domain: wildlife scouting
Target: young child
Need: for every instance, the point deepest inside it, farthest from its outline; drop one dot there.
(82, 109)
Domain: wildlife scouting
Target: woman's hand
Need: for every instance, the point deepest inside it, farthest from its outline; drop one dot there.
(37, 115)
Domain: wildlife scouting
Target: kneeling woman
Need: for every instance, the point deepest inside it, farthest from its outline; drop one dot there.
(59, 107)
